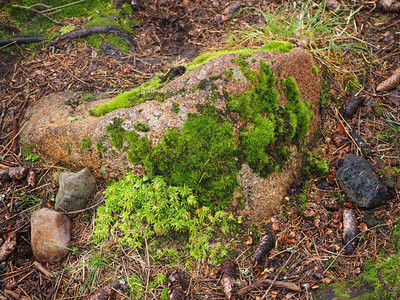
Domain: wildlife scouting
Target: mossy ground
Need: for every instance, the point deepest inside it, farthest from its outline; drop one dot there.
(32, 24)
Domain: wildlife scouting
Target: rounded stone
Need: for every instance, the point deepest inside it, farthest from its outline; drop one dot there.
(50, 235)
(74, 191)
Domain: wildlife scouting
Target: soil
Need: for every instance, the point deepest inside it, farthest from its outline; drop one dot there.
(170, 33)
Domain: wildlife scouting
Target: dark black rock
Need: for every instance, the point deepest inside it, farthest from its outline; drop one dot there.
(357, 180)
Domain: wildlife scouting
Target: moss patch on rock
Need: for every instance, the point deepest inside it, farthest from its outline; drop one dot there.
(147, 91)
(207, 154)
(150, 89)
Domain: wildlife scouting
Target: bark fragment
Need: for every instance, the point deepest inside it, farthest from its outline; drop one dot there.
(351, 107)
(8, 246)
(108, 291)
(176, 285)
(228, 273)
(16, 173)
(264, 247)
(349, 231)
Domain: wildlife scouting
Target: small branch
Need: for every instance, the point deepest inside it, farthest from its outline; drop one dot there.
(266, 283)
(108, 29)
(22, 40)
(42, 269)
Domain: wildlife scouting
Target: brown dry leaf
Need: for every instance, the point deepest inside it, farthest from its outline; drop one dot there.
(327, 280)
(314, 287)
(275, 226)
(328, 231)
(390, 82)
(309, 213)
(249, 241)
(357, 271)
(363, 227)
(274, 219)
(332, 4)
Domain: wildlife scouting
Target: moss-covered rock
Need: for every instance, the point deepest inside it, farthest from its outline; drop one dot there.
(252, 114)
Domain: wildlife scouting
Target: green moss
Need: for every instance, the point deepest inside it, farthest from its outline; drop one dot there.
(139, 126)
(315, 70)
(86, 143)
(203, 156)
(175, 107)
(270, 126)
(228, 73)
(205, 58)
(135, 206)
(146, 91)
(351, 83)
(33, 24)
(86, 97)
(116, 132)
(315, 166)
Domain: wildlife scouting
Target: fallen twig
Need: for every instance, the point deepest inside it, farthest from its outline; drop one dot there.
(264, 283)
(108, 291)
(108, 29)
(15, 295)
(42, 269)
(22, 40)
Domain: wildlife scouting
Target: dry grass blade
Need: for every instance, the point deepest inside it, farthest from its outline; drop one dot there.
(390, 82)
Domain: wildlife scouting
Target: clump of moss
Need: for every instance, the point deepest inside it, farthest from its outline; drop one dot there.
(135, 207)
(175, 107)
(86, 143)
(270, 128)
(315, 166)
(203, 155)
(139, 126)
(205, 58)
(147, 91)
(116, 132)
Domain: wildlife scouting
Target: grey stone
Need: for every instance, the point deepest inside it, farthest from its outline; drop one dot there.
(50, 235)
(74, 191)
(360, 184)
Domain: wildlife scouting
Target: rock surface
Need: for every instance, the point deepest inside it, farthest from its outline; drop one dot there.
(358, 181)
(49, 128)
(74, 191)
(50, 234)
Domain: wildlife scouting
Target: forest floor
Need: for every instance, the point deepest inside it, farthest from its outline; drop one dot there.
(354, 56)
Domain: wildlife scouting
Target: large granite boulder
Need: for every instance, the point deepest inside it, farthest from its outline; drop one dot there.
(68, 133)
